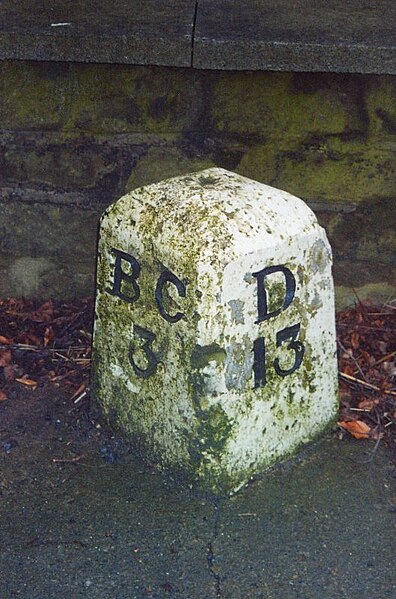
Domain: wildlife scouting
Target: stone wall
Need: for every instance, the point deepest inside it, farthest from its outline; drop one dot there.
(74, 136)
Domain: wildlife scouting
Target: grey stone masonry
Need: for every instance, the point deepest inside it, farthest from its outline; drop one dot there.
(284, 35)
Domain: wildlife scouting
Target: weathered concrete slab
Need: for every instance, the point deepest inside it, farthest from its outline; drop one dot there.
(226, 34)
(335, 36)
(148, 32)
(321, 526)
(108, 529)
(324, 526)
(214, 333)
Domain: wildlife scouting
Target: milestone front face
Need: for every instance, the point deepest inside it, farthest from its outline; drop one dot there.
(214, 345)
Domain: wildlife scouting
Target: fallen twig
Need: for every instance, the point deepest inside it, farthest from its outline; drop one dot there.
(37, 348)
(349, 377)
(67, 461)
(385, 358)
(352, 358)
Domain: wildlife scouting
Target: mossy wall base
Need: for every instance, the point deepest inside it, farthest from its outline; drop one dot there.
(74, 136)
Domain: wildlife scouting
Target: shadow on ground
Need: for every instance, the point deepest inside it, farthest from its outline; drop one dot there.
(82, 517)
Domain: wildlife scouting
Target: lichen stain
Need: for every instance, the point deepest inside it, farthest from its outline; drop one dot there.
(202, 355)
(237, 314)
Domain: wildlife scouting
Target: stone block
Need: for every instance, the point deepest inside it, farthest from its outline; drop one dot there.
(214, 342)
(381, 107)
(51, 162)
(163, 163)
(46, 250)
(337, 170)
(98, 99)
(285, 106)
(134, 99)
(33, 96)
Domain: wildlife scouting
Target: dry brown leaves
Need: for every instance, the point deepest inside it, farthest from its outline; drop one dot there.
(45, 341)
(51, 341)
(367, 364)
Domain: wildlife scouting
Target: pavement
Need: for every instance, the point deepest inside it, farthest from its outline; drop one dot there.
(337, 36)
(82, 516)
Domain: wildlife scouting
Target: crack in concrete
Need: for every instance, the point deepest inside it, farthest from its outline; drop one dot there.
(210, 551)
(193, 32)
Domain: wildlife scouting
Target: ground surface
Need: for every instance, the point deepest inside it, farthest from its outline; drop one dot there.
(82, 517)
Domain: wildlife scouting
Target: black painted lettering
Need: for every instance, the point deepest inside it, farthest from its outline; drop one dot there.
(262, 298)
(259, 366)
(124, 283)
(146, 348)
(295, 345)
(168, 277)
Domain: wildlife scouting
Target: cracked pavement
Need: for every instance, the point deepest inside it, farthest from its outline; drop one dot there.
(107, 526)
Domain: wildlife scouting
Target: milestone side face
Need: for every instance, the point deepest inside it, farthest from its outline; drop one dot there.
(214, 345)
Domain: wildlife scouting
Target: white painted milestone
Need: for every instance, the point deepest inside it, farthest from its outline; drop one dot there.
(214, 341)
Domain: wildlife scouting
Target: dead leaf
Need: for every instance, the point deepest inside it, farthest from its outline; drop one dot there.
(30, 339)
(345, 396)
(367, 404)
(79, 390)
(3, 396)
(390, 368)
(355, 340)
(5, 357)
(48, 335)
(27, 382)
(5, 340)
(357, 428)
(349, 369)
(9, 373)
(44, 313)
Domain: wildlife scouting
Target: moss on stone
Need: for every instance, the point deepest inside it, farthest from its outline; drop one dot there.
(260, 162)
(127, 98)
(72, 127)
(98, 98)
(162, 163)
(214, 430)
(33, 95)
(201, 356)
(381, 106)
(338, 170)
(280, 105)
(367, 236)
(376, 292)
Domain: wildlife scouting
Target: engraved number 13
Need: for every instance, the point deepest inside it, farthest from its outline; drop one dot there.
(259, 365)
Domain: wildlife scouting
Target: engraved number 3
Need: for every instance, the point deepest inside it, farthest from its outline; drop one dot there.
(146, 348)
(295, 345)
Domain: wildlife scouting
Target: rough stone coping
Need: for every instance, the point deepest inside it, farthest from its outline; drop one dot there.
(280, 35)
(157, 32)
